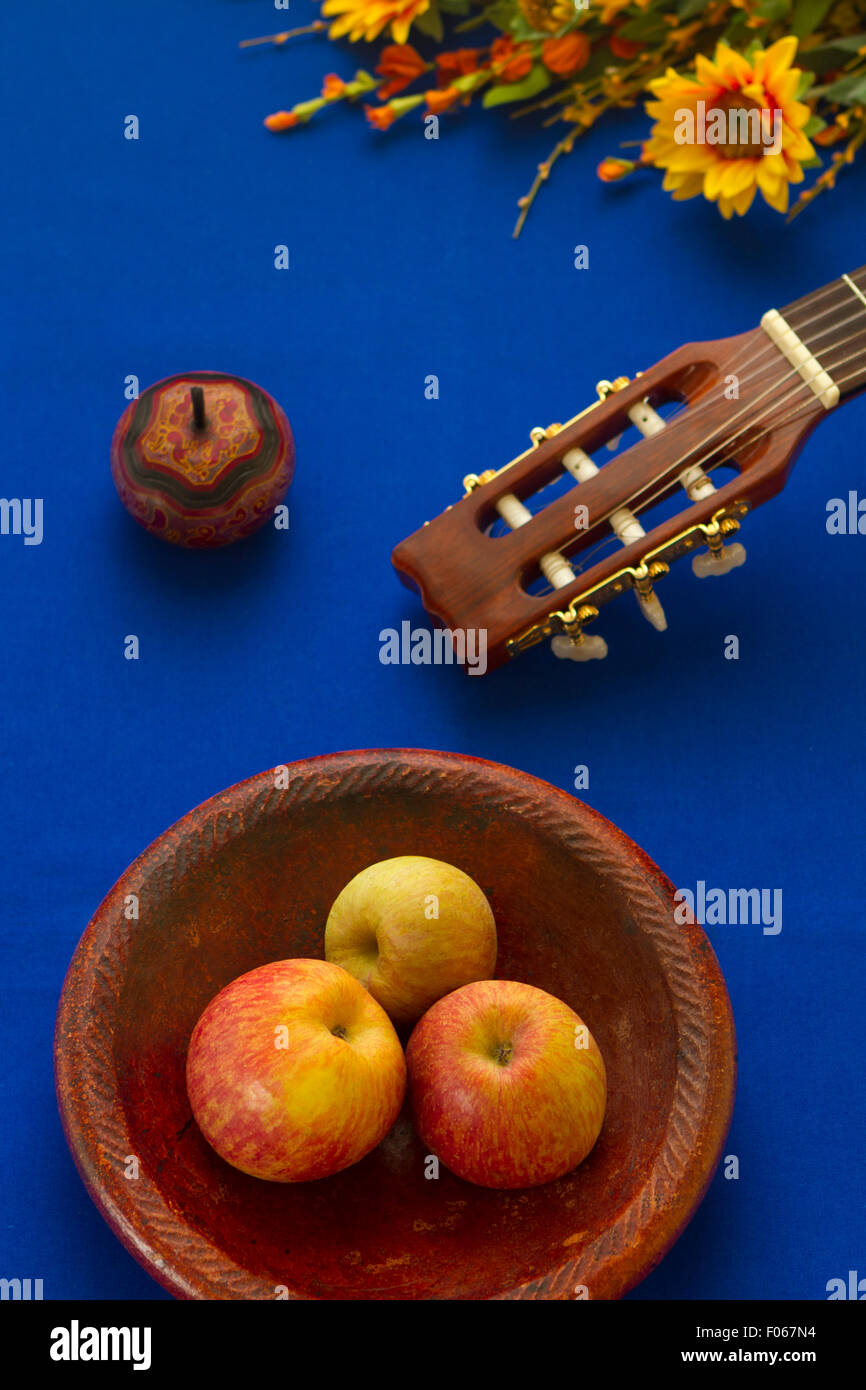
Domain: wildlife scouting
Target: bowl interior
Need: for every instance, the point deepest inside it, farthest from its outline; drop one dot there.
(239, 890)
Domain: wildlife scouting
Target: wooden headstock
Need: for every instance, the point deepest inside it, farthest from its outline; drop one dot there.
(744, 402)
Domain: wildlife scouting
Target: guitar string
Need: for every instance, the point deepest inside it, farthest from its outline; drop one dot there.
(766, 349)
(835, 287)
(720, 463)
(671, 472)
(727, 459)
(728, 441)
(581, 561)
(709, 401)
(775, 384)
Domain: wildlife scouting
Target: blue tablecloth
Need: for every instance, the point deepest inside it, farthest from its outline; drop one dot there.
(154, 256)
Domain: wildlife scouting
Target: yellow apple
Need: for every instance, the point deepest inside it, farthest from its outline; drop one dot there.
(294, 1072)
(412, 929)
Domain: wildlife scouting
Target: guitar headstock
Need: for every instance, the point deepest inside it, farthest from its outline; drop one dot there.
(491, 563)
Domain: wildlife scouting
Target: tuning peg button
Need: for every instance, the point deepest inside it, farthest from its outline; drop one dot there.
(584, 648)
(730, 557)
(653, 611)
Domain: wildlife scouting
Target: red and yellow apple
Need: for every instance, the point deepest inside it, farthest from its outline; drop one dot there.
(294, 1071)
(507, 1084)
(412, 929)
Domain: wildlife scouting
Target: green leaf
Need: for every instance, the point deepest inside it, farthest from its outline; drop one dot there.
(773, 11)
(365, 81)
(848, 91)
(534, 82)
(430, 23)
(813, 126)
(806, 80)
(455, 6)
(520, 29)
(736, 31)
(687, 9)
(500, 14)
(832, 54)
(646, 28)
(599, 62)
(808, 15)
(851, 43)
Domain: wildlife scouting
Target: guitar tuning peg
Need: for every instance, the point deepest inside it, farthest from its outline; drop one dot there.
(539, 433)
(653, 611)
(583, 648)
(719, 558)
(605, 388)
(729, 558)
(643, 588)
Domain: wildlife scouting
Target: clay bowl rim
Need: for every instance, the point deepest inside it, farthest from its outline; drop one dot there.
(186, 1263)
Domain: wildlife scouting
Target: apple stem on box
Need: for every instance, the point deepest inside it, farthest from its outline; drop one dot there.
(198, 415)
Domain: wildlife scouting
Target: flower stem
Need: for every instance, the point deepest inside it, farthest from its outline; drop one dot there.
(315, 28)
(565, 146)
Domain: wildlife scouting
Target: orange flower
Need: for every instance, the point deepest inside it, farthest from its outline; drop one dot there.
(609, 170)
(509, 61)
(456, 64)
(441, 101)
(333, 87)
(567, 55)
(831, 134)
(380, 117)
(401, 64)
(623, 48)
(281, 120)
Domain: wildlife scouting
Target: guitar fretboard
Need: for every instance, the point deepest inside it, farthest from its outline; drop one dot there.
(832, 323)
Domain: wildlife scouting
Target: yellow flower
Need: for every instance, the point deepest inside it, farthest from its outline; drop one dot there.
(365, 19)
(731, 129)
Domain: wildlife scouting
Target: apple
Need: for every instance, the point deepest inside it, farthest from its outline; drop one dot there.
(412, 929)
(507, 1084)
(294, 1071)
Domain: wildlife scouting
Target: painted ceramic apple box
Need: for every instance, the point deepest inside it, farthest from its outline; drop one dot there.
(202, 459)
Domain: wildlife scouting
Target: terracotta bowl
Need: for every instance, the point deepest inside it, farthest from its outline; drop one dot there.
(248, 877)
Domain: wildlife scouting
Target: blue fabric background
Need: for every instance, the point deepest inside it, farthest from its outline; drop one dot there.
(156, 256)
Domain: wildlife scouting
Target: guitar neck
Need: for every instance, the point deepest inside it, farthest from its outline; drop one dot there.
(558, 561)
(831, 322)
